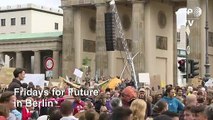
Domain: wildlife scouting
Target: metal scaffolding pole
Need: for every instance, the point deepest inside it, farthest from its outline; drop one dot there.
(120, 34)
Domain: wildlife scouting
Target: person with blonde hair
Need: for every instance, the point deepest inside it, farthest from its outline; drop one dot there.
(138, 107)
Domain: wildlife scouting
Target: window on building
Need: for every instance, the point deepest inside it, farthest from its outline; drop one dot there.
(23, 20)
(3, 22)
(119, 45)
(13, 21)
(56, 26)
(88, 46)
(178, 36)
(210, 39)
(181, 53)
(161, 42)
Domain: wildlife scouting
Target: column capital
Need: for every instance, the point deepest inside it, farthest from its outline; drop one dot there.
(56, 50)
(100, 5)
(97, 2)
(66, 7)
(19, 59)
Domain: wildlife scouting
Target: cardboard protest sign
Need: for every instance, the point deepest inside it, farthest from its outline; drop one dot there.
(195, 82)
(156, 84)
(6, 75)
(70, 83)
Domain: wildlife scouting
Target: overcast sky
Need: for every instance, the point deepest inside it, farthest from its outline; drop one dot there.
(181, 13)
(181, 17)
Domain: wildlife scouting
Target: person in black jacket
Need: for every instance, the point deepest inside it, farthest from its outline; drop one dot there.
(19, 74)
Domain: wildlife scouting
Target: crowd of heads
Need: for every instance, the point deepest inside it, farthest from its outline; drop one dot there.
(123, 102)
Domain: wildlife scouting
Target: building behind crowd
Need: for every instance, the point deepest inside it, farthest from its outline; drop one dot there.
(149, 28)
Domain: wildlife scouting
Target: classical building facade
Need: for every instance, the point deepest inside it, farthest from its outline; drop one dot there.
(28, 35)
(149, 26)
(30, 51)
(197, 37)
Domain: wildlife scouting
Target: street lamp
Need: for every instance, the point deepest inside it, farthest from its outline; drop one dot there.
(207, 65)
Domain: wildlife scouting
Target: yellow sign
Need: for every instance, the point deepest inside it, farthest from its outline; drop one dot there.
(6, 75)
(195, 82)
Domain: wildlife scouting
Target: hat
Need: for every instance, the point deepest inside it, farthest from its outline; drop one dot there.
(142, 89)
(130, 91)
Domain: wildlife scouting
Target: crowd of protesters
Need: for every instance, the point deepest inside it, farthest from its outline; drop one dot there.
(124, 102)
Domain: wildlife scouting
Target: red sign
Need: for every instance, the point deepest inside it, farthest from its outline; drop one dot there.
(49, 63)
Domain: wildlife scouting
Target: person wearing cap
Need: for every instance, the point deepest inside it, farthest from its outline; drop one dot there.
(142, 94)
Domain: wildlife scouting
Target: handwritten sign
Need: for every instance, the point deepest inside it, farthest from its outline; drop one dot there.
(144, 78)
(78, 73)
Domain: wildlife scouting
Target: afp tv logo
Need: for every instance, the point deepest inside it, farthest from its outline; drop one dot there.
(194, 13)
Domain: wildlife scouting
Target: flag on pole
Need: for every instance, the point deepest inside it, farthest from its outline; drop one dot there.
(103, 85)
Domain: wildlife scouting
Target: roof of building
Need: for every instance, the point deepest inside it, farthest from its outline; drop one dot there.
(29, 35)
(30, 6)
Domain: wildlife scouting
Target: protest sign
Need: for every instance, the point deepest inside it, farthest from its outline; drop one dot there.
(78, 73)
(144, 78)
(36, 79)
(6, 75)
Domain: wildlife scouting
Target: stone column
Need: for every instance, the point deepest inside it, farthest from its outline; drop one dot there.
(37, 62)
(68, 55)
(2, 58)
(101, 54)
(12, 62)
(112, 63)
(2, 55)
(138, 35)
(56, 63)
(27, 62)
(19, 59)
(195, 41)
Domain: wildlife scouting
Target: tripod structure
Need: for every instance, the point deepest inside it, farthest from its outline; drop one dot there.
(120, 34)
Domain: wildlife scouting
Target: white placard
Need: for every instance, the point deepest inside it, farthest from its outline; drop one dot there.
(46, 83)
(144, 78)
(37, 79)
(78, 73)
(49, 73)
(209, 83)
